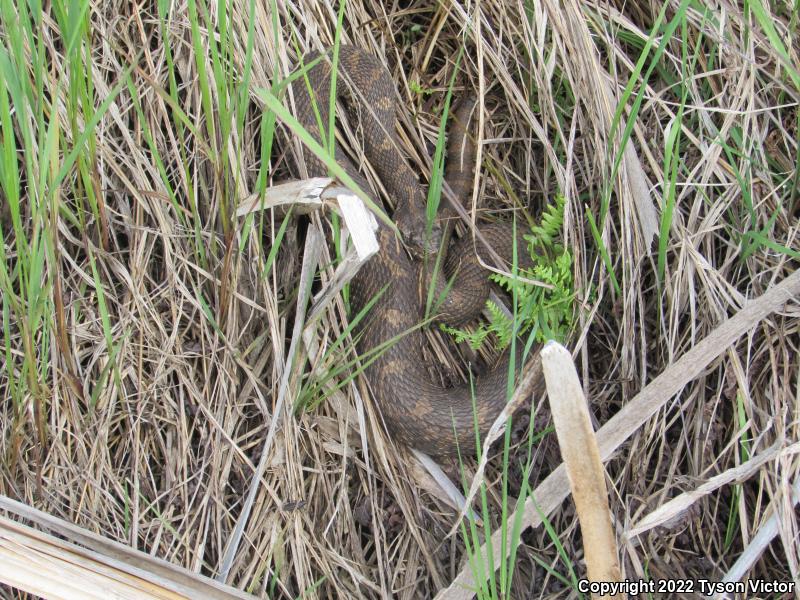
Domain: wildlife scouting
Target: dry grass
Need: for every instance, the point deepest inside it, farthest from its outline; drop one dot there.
(147, 331)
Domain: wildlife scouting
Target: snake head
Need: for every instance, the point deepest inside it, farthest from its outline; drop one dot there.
(419, 238)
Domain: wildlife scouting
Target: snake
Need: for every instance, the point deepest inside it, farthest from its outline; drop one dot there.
(417, 409)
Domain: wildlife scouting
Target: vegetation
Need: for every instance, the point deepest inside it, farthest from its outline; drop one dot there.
(545, 310)
(156, 346)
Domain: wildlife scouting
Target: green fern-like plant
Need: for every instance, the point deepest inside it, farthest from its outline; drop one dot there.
(545, 232)
(545, 311)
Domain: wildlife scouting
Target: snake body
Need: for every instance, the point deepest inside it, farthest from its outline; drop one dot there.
(417, 410)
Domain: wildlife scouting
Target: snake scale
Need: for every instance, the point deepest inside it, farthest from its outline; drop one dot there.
(416, 409)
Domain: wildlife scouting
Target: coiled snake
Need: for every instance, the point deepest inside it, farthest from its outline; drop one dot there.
(416, 410)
